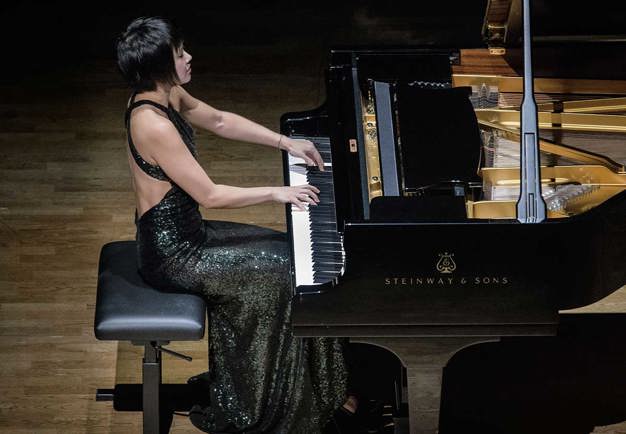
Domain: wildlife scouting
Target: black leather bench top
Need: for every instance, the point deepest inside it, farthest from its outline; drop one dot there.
(128, 309)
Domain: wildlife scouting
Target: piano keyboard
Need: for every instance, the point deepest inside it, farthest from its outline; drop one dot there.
(318, 255)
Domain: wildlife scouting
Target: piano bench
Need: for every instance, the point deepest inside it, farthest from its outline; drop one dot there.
(127, 309)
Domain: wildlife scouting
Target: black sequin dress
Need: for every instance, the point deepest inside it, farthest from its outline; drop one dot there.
(261, 379)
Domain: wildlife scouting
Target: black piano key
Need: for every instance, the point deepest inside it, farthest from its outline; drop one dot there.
(316, 169)
(320, 263)
(321, 245)
(327, 250)
(321, 217)
(319, 177)
(324, 277)
(324, 238)
(325, 255)
(327, 268)
(325, 215)
(329, 273)
(324, 196)
(327, 247)
(315, 172)
(326, 233)
(321, 225)
(323, 207)
(323, 232)
(327, 265)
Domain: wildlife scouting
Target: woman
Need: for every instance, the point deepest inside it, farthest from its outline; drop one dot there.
(262, 379)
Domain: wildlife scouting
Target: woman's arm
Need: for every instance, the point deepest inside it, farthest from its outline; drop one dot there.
(173, 156)
(233, 126)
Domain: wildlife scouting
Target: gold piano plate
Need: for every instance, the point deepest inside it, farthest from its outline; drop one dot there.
(583, 174)
(605, 182)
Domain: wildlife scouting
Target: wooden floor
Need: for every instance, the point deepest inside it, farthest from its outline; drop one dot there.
(65, 191)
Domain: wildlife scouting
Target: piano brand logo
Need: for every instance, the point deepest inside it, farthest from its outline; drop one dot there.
(445, 264)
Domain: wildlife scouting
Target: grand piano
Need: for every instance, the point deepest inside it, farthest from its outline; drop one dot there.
(462, 209)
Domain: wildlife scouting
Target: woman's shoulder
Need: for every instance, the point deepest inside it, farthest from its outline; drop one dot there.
(150, 123)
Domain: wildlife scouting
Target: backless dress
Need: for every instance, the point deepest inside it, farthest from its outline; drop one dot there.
(261, 379)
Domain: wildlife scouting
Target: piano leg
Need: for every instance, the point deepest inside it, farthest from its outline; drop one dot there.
(424, 359)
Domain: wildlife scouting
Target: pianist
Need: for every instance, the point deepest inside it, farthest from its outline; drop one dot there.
(262, 378)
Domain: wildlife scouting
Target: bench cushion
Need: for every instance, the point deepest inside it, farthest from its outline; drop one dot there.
(128, 309)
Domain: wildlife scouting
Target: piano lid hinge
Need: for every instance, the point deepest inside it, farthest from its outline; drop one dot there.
(495, 35)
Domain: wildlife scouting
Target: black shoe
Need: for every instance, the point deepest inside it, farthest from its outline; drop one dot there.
(370, 415)
(344, 421)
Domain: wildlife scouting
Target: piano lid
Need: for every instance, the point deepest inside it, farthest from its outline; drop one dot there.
(570, 39)
(554, 21)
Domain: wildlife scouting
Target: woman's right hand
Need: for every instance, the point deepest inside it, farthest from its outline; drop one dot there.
(297, 195)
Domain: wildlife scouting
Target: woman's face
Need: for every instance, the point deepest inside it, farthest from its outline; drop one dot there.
(182, 60)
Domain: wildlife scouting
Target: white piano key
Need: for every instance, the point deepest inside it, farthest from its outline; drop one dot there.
(300, 161)
(303, 254)
(301, 227)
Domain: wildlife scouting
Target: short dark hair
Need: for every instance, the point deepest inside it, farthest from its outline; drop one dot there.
(144, 52)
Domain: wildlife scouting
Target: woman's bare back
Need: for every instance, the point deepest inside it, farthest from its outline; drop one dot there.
(149, 191)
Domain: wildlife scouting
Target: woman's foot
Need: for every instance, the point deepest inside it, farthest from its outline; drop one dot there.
(351, 404)
(345, 419)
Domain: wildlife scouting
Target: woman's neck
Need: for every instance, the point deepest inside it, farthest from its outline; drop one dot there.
(160, 95)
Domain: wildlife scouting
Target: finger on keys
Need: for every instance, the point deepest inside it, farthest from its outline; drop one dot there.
(299, 205)
(312, 195)
(320, 162)
(309, 199)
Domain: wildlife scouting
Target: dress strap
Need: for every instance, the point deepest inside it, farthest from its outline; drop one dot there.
(136, 104)
(150, 169)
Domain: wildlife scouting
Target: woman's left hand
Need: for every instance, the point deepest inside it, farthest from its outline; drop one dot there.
(304, 149)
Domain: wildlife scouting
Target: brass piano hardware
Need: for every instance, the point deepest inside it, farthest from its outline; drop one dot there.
(352, 143)
(500, 209)
(604, 105)
(545, 145)
(372, 155)
(567, 121)
(551, 181)
(544, 85)
(497, 51)
(496, 34)
(584, 174)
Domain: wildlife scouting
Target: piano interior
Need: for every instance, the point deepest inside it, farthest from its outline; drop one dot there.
(582, 139)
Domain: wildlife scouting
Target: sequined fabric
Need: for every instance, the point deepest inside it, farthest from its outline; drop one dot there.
(261, 379)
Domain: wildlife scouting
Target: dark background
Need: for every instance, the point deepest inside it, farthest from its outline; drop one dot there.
(41, 37)
(91, 26)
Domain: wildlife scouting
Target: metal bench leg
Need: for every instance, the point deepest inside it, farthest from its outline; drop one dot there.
(151, 389)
